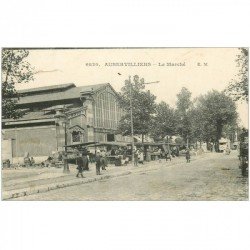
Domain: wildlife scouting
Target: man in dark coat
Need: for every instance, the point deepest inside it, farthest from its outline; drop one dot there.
(85, 161)
(79, 161)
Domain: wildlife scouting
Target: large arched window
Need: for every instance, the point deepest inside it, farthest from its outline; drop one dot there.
(107, 110)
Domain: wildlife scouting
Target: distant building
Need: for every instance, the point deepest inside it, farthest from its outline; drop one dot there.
(92, 114)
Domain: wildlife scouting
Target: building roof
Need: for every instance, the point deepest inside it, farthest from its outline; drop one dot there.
(55, 93)
(32, 116)
(41, 114)
(46, 88)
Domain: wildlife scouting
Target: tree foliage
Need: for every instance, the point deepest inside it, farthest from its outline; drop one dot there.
(164, 121)
(143, 107)
(238, 88)
(211, 113)
(15, 70)
(202, 129)
(183, 107)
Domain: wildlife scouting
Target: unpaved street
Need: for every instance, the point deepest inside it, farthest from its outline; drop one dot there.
(211, 177)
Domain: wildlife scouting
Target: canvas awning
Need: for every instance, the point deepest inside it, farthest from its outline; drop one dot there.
(153, 144)
(223, 140)
(121, 144)
(81, 144)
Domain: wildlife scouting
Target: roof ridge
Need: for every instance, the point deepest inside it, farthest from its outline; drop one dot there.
(95, 85)
(48, 87)
(57, 86)
(57, 94)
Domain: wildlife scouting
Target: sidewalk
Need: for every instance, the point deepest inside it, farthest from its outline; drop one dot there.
(23, 182)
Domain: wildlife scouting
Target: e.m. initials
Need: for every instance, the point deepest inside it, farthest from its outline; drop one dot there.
(202, 64)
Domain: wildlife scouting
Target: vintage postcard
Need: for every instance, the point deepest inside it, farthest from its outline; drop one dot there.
(162, 124)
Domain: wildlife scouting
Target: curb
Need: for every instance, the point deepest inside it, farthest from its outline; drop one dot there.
(8, 195)
(47, 188)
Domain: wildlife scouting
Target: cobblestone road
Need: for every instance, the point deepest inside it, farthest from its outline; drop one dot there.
(214, 177)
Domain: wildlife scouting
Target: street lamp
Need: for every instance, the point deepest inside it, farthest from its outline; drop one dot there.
(62, 120)
(131, 120)
(131, 115)
(66, 165)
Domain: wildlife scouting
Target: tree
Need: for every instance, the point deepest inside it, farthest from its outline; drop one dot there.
(183, 106)
(201, 128)
(164, 121)
(143, 107)
(213, 111)
(15, 70)
(230, 131)
(238, 88)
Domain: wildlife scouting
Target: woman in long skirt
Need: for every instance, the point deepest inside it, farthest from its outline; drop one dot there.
(98, 163)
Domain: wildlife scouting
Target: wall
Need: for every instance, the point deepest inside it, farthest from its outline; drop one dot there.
(78, 118)
(60, 137)
(38, 141)
(7, 150)
(91, 136)
(101, 137)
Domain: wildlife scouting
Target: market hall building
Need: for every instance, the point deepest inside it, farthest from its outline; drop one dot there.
(80, 114)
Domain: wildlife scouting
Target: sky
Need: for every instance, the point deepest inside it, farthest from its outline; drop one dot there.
(198, 69)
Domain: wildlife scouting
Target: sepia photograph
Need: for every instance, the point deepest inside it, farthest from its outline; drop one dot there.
(124, 124)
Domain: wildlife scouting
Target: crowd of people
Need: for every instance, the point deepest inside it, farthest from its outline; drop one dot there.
(83, 160)
(117, 155)
(29, 160)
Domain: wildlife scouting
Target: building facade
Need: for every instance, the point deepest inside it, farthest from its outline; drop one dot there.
(58, 115)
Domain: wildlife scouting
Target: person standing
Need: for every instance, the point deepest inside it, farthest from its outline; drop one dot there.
(148, 155)
(103, 160)
(85, 161)
(112, 152)
(136, 156)
(88, 158)
(168, 156)
(98, 163)
(188, 155)
(79, 161)
(32, 161)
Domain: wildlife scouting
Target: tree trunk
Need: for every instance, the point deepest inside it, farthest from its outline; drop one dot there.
(144, 148)
(207, 144)
(219, 131)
